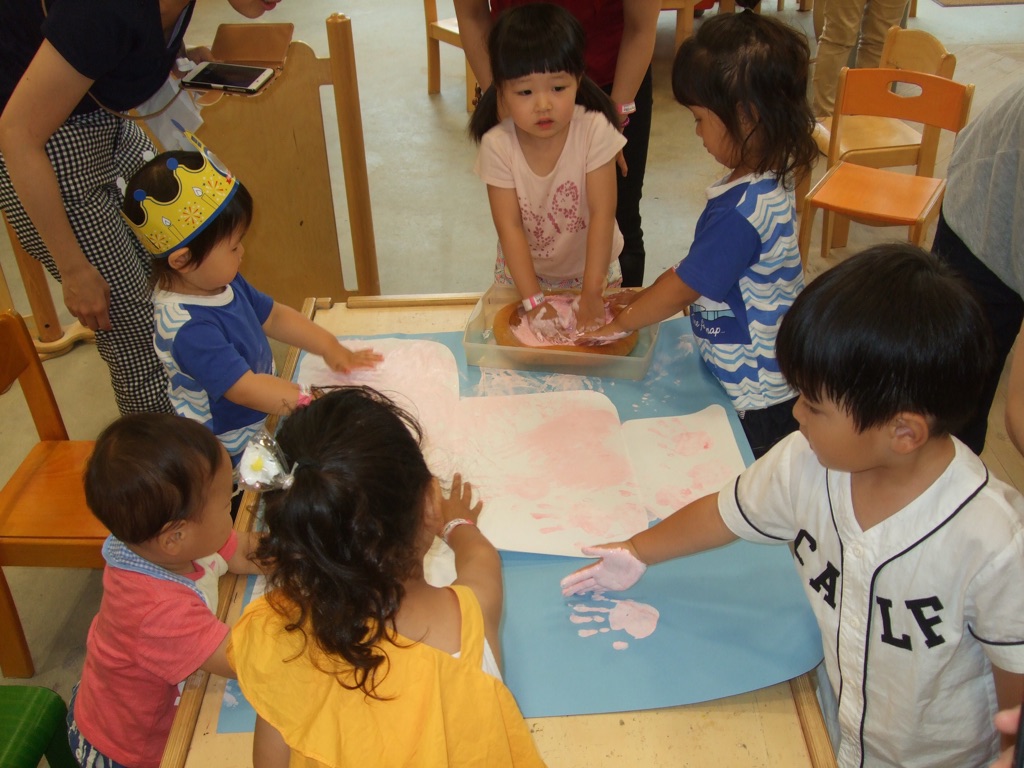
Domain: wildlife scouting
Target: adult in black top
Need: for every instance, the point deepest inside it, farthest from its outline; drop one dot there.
(66, 72)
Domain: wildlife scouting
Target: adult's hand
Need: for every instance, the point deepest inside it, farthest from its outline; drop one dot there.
(87, 297)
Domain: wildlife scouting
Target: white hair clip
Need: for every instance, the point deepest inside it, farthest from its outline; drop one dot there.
(262, 467)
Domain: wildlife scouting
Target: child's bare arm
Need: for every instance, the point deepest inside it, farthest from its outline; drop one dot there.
(694, 528)
(290, 327)
(1009, 692)
(508, 221)
(241, 561)
(659, 301)
(477, 563)
(269, 749)
(265, 392)
(601, 197)
(1007, 722)
(217, 663)
(1015, 397)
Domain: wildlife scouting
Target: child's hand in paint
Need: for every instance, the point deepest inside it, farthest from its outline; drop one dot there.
(619, 568)
(458, 502)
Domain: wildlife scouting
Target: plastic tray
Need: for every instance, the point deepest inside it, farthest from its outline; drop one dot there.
(482, 350)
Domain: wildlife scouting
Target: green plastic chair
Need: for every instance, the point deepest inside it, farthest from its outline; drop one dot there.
(33, 724)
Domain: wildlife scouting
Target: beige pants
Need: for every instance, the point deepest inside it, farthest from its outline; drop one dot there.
(848, 24)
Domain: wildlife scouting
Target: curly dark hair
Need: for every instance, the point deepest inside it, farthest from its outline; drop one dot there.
(748, 67)
(342, 539)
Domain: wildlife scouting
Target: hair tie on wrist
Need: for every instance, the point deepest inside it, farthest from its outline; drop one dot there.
(451, 525)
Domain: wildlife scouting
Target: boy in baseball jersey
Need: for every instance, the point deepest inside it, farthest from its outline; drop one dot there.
(910, 553)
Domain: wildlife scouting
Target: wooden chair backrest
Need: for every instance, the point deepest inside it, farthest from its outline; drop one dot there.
(917, 50)
(20, 362)
(430, 12)
(941, 104)
(275, 143)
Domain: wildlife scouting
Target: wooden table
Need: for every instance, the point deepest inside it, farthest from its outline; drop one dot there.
(780, 726)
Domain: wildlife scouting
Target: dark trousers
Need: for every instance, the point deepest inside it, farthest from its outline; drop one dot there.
(631, 186)
(1004, 309)
(765, 427)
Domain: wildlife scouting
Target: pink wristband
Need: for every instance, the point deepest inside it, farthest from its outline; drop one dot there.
(532, 302)
(451, 525)
(305, 397)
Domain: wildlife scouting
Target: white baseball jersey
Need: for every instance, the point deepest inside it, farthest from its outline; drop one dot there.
(913, 612)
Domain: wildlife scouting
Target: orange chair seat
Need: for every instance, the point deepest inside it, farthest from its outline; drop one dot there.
(41, 508)
(883, 142)
(872, 194)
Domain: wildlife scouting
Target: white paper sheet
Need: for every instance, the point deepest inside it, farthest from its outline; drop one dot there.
(552, 470)
(679, 459)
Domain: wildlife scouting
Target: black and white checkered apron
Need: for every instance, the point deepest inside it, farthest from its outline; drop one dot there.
(89, 153)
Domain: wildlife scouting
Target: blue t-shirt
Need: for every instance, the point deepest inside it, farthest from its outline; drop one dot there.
(207, 343)
(745, 263)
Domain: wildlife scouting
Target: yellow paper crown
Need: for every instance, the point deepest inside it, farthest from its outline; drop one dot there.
(202, 194)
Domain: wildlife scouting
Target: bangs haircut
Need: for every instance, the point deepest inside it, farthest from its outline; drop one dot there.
(160, 183)
(890, 330)
(759, 65)
(539, 37)
(149, 470)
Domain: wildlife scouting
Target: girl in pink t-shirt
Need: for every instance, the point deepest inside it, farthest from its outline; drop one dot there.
(549, 138)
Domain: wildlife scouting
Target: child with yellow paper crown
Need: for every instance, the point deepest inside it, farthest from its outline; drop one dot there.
(211, 325)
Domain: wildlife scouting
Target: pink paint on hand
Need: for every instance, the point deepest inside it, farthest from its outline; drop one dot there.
(617, 570)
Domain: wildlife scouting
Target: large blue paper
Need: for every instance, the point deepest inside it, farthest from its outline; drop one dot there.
(729, 621)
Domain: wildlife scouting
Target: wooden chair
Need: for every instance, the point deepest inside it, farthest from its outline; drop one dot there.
(876, 196)
(275, 143)
(883, 142)
(44, 520)
(444, 31)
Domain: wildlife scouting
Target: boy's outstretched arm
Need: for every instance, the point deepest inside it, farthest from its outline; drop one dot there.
(695, 528)
(659, 301)
(290, 327)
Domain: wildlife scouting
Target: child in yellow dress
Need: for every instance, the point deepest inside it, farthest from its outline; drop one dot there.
(352, 658)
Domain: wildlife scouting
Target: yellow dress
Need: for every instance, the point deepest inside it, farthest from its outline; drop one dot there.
(435, 710)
